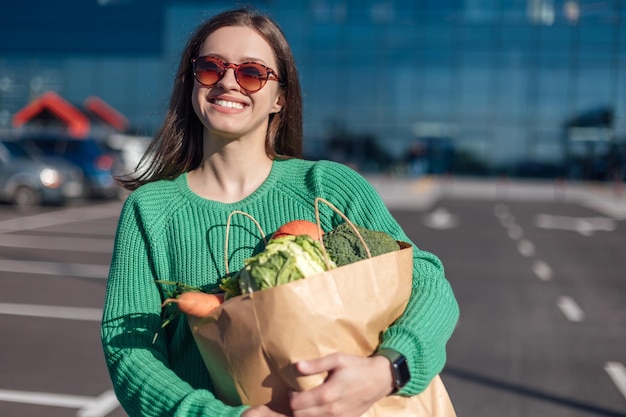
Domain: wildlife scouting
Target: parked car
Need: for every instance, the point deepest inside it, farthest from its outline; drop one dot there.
(28, 181)
(97, 164)
(131, 148)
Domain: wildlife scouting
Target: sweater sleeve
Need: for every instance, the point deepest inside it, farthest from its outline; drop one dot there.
(135, 345)
(426, 325)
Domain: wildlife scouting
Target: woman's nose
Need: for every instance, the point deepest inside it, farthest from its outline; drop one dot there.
(229, 81)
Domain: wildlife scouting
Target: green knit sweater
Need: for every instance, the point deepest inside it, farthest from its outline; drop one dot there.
(166, 232)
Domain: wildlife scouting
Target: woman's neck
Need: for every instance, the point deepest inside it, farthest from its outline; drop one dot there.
(231, 172)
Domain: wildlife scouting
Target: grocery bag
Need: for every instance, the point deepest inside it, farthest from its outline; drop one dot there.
(251, 343)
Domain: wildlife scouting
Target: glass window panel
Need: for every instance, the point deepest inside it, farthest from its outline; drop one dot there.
(361, 34)
(557, 35)
(594, 86)
(597, 33)
(438, 32)
(593, 51)
(516, 36)
(435, 58)
(546, 145)
(477, 143)
(474, 94)
(326, 33)
(509, 143)
(479, 12)
(80, 71)
(511, 86)
(407, 92)
(479, 36)
(597, 12)
(401, 41)
(514, 11)
(434, 106)
(620, 110)
(552, 101)
(554, 56)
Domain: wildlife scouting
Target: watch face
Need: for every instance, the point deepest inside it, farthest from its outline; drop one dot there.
(402, 374)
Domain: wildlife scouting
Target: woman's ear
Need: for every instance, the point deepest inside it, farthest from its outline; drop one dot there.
(278, 105)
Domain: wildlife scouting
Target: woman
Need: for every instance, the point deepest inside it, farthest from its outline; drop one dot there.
(231, 140)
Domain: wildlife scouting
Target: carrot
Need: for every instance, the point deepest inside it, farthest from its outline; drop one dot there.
(196, 304)
(298, 227)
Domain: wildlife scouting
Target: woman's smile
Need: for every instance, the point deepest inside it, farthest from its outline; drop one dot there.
(228, 104)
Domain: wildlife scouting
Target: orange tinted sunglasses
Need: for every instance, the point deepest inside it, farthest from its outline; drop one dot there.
(251, 76)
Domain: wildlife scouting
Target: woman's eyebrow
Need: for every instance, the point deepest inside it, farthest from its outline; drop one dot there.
(244, 59)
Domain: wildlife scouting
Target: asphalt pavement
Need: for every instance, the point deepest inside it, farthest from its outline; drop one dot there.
(537, 267)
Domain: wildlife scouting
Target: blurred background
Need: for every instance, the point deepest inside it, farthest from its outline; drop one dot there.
(523, 88)
(495, 131)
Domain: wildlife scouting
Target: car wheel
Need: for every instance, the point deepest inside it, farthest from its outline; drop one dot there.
(25, 197)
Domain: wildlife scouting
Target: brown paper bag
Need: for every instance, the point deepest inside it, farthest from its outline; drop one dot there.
(250, 344)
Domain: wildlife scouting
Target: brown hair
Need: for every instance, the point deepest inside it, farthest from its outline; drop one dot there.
(177, 145)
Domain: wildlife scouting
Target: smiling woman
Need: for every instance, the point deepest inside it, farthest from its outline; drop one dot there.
(231, 141)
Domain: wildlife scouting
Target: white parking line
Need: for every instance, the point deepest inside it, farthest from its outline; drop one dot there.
(42, 398)
(55, 268)
(526, 248)
(507, 220)
(74, 244)
(617, 372)
(542, 270)
(53, 312)
(66, 216)
(586, 226)
(515, 232)
(87, 406)
(570, 309)
(501, 210)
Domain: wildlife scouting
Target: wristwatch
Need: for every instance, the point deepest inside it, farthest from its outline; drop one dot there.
(399, 367)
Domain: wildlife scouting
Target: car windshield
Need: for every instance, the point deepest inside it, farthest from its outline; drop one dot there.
(16, 151)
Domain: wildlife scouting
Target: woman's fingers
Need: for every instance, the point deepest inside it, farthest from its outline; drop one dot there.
(319, 365)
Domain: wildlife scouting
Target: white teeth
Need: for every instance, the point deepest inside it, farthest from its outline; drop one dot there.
(230, 104)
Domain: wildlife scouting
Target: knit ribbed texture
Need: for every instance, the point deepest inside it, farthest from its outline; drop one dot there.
(166, 232)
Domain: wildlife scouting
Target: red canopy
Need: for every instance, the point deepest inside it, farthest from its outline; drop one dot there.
(77, 123)
(104, 111)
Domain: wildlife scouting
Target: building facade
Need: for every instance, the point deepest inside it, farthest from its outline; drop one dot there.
(475, 87)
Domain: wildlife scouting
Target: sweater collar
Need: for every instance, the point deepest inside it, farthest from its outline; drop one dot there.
(268, 184)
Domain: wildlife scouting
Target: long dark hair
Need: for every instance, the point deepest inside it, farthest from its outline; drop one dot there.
(177, 145)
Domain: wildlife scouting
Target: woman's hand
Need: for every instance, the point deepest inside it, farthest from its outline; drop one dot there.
(353, 385)
(261, 411)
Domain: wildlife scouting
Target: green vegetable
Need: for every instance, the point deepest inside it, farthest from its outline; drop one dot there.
(283, 260)
(344, 246)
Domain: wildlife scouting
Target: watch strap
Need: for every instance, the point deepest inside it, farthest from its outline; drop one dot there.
(399, 367)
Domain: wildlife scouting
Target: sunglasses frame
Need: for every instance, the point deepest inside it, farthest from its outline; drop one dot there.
(271, 74)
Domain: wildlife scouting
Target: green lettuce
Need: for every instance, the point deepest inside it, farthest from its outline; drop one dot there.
(285, 259)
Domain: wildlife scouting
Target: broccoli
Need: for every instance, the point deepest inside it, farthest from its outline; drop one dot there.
(344, 246)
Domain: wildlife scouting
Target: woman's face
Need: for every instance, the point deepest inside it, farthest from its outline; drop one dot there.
(226, 109)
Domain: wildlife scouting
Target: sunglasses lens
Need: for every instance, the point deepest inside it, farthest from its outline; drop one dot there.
(252, 77)
(208, 71)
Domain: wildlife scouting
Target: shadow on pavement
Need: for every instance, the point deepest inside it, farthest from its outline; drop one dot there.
(529, 392)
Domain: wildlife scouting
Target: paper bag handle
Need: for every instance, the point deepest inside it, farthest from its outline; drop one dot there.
(228, 231)
(343, 216)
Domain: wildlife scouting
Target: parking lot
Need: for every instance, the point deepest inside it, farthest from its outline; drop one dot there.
(53, 268)
(538, 272)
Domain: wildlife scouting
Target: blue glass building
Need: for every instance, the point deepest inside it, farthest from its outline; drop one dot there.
(480, 87)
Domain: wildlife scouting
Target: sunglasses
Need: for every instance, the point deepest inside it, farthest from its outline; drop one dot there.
(251, 76)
